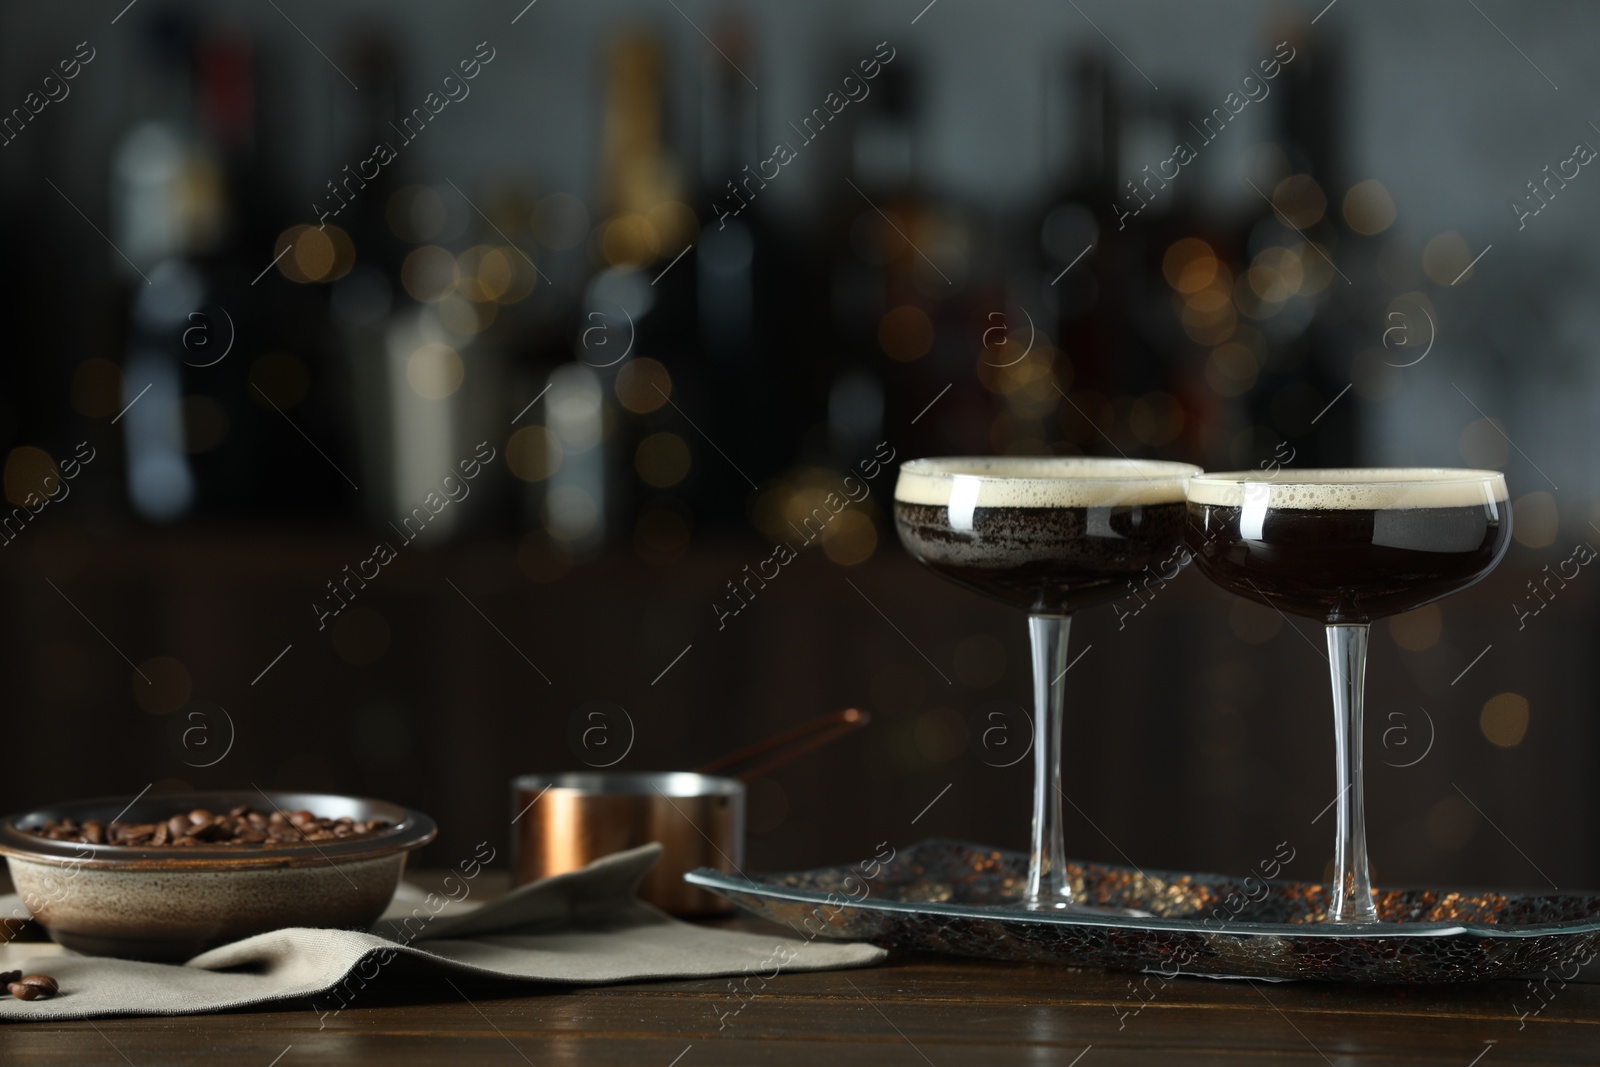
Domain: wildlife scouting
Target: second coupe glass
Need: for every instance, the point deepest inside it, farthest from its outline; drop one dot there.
(1346, 547)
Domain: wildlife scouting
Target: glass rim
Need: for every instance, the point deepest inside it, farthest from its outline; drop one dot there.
(1113, 468)
(1342, 476)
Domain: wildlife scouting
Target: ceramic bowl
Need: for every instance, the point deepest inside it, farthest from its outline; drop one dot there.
(171, 904)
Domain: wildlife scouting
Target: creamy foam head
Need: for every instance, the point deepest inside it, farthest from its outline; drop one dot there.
(1041, 481)
(1351, 488)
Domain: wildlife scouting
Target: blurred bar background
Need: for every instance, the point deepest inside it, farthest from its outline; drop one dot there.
(535, 302)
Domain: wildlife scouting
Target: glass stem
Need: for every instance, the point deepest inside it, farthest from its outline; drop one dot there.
(1351, 897)
(1048, 887)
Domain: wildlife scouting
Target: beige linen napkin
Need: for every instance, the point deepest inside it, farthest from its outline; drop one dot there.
(583, 928)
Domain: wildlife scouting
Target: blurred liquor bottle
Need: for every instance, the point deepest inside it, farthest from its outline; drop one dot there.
(1079, 234)
(899, 292)
(1291, 293)
(750, 317)
(169, 209)
(633, 349)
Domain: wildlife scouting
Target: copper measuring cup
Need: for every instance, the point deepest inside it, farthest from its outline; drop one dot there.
(565, 821)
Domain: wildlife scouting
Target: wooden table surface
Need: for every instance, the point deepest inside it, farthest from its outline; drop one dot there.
(913, 1010)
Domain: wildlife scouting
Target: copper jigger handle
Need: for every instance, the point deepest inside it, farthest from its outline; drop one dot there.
(805, 737)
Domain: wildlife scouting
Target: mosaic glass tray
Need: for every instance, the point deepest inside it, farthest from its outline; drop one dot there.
(960, 899)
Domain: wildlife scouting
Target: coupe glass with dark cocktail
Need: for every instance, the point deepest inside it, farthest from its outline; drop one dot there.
(1049, 535)
(1346, 547)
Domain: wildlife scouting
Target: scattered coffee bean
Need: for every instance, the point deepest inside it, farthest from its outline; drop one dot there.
(7, 977)
(198, 828)
(33, 987)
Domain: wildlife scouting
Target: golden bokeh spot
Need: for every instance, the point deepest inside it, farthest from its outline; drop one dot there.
(30, 472)
(661, 537)
(1452, 822)
(1156, 419)
(662, 460)
(286, 256)
(1535, 521)
(1483, 445)
(313, 254)
(1419, 630)
(97, 388)
(522, 273)
(205, 424)
(643, 385)
(629, 241)
(496, 273)
(435, 371)
(1252, 622)
(360, 635)
(941, 734)
(1445, 257)
(1189, 265)
(281, 376)
(1301, 200)
(849, 539)
(1368, 208)
(1504, 719)
(428, 273)
(1231, 370)
(905, 333)
(533, 453)
(541, 560)
(1207, 301)
(468, 284)
(560, 221)
(1275, 274)
(161, 685)
(344, 254)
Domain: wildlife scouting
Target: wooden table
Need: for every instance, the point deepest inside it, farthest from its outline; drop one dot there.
(913, 1010)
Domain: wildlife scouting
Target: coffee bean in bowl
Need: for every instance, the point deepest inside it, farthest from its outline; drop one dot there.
(239, 826)
(164, 878)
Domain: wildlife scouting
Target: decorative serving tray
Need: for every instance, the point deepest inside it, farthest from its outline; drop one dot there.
(960, 899)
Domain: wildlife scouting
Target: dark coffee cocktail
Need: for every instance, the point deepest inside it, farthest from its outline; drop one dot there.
(1050, 536)
(1346, 547)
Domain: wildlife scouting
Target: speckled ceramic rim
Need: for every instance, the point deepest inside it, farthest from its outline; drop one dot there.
(733, 886)
(411, 830)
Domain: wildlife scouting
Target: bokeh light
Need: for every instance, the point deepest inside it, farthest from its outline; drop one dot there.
(533, 453)
(1368, 208)
(434, 371)
(662, 460)
(1504, 719)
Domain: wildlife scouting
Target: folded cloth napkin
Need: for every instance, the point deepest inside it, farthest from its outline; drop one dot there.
(582, 928)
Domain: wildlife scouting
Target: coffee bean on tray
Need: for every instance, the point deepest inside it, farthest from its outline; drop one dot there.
(34, 987)
(200, 828)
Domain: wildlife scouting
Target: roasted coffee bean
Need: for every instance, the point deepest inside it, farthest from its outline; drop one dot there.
(33, 987)
(7, 977)
(240, 826)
